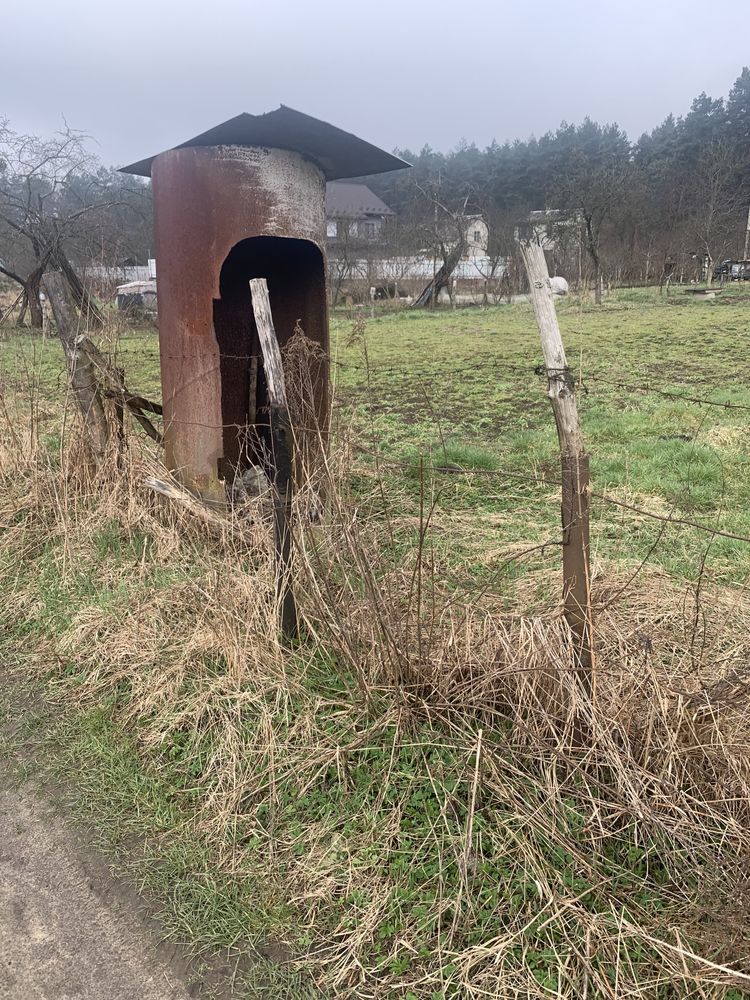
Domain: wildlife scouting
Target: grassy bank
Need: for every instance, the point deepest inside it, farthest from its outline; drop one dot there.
(404, 805)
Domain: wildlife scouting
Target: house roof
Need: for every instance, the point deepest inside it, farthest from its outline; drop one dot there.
(337, 153)
(353, 201)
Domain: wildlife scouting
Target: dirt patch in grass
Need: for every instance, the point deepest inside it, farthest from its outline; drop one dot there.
(66, 926)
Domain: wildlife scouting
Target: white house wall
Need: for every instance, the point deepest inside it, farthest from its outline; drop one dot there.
(477, 237)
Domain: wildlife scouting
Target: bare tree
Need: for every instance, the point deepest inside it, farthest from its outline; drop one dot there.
(503, 260)
(349, 258)
(43, 205)
(445, 235)
(591, 173)
(717, 203)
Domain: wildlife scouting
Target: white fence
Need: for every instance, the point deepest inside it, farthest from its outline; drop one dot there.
(120, 275)
(479, 268)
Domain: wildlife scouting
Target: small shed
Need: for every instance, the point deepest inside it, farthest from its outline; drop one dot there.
(137, 297)
(244, 200)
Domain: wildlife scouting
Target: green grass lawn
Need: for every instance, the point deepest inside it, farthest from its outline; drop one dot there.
(458, 389)
(340, 830)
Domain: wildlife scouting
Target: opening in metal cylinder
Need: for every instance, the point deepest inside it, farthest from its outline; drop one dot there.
(295, 274)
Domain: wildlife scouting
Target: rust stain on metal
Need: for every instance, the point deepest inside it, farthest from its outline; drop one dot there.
(223, 215)
(244, 200)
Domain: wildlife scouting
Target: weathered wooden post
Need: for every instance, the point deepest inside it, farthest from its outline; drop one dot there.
(574, 463)
(282, 458)
(82, 372)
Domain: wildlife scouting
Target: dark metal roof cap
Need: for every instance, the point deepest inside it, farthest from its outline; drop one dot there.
(337, 153)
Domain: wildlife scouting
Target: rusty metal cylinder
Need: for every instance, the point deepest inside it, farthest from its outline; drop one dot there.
(223, 215)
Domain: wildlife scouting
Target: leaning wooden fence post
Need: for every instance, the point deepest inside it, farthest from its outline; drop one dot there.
(281, 443)
(574, 463)
(81, 370)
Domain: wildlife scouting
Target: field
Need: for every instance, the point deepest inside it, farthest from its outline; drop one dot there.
(416, 801)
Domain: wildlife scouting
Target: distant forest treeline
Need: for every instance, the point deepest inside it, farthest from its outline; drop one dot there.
(679, 192)
(673, 202)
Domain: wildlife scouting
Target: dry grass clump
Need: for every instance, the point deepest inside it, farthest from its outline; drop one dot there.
(422, 782)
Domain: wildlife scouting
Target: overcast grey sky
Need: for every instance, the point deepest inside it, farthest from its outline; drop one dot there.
(140, 77)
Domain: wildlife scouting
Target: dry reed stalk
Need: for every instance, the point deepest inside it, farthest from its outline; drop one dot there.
(666, 768)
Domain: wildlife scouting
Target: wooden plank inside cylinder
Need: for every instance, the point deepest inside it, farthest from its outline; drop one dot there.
(281, 453)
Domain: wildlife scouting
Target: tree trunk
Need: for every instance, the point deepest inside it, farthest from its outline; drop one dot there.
(593, 250)
(441, 279)
(89, 310)
(24, 306)
(574, 464)
(82, 372)
(33, 288)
